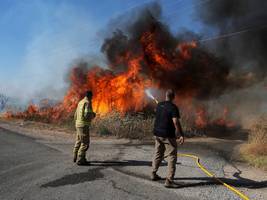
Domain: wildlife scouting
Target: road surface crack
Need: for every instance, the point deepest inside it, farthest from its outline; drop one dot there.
(115, 186)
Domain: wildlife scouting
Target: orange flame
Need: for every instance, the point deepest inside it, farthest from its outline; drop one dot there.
(201, 118)
(123, 91)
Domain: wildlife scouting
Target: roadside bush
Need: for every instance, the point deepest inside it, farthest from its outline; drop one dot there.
(135, 126)
(255, 151)
(259, 131)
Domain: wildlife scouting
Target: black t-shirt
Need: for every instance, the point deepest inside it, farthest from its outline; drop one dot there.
(164, 126)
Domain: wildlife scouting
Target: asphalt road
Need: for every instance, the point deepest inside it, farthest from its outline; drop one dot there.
(30, 169)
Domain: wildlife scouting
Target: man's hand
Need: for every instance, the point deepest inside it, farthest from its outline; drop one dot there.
(92, 115)
(178, 130)
(181, 140)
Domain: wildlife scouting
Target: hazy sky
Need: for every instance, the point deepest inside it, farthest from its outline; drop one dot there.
(41, 38)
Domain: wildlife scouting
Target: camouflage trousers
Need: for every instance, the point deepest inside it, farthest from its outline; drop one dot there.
(170, 146)
(82, 142)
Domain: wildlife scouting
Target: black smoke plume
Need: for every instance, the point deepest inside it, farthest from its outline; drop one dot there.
(210, 72)
(246, 50)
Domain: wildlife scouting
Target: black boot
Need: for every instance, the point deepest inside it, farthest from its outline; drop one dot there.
(170, 184)
(83, 162)
(74, 157)
(155, 177)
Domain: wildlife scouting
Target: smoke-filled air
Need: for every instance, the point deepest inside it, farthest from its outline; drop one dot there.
(138, 96)
(216, 80)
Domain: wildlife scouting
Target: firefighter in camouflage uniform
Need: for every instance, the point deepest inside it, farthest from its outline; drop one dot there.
(83, 117)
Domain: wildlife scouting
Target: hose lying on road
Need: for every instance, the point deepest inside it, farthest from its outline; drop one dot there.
(240, 194)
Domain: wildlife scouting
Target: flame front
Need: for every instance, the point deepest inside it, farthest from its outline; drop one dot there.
(147, 61)
(125, 91)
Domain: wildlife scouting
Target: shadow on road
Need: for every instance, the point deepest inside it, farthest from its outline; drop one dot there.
(95, 173)
(122, 163)
(125, 163)
(72, 179)
(247, 183)
(239, 182)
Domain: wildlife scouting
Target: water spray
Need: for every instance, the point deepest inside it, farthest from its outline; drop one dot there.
(148, 93)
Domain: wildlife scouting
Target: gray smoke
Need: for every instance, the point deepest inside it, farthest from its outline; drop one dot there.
(204, 75)
(246, 51)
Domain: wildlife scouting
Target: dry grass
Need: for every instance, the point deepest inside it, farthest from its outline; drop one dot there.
(134, 126)
(259, 131)
(130, 126)
(255, 151)
(256, 161)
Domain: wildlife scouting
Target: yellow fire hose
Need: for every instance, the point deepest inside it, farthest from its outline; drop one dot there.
(240, 194)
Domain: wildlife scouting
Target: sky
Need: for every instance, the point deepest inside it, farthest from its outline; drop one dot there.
(40, 39)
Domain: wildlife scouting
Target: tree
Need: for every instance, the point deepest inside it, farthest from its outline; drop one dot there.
(3, 101)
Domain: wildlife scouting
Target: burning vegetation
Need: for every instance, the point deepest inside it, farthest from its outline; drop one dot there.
(145, 54)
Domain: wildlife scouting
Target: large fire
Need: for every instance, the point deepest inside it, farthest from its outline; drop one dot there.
(152, 59)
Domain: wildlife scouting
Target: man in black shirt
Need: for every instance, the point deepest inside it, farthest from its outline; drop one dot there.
(167, 129)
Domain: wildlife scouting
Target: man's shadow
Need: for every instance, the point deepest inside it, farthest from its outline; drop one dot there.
(126, 163)
(204, 181)
(122, 163)
(76, 178)
(238, 182)
(95, 173)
